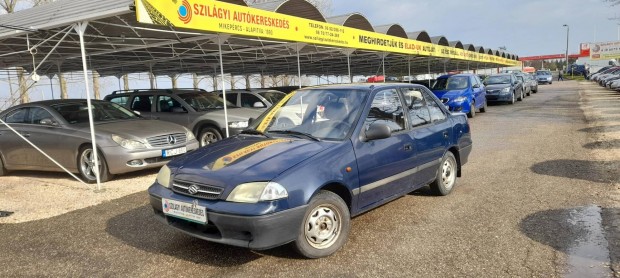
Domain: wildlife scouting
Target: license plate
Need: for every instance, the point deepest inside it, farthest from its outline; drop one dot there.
(173, 152)
(183, 210)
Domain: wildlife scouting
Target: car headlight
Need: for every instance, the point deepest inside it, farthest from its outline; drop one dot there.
(128, 143)
(163, 177)
(238, 124)
(460, 99)
(189, 134)
(506, 90)
(257, 191)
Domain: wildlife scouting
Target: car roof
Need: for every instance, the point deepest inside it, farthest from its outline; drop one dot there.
(363, 86)
(54, 101)
(147, 91)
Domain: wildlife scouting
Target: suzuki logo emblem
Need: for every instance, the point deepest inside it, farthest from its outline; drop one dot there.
(172, 140)
(192, 189)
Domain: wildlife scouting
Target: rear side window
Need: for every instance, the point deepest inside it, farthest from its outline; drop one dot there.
(120, 100)
(230, 97)
(167, 103)
(17, 117)
(386, 108)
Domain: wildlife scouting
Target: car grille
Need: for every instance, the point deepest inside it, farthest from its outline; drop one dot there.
(202, 191)
(493, 92)
(167, 140)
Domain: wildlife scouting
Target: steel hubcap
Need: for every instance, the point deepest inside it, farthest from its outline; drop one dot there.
(322, 227)
(448, 175)
(208, 138)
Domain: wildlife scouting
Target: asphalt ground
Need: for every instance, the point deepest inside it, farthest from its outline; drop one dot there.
(532, 165)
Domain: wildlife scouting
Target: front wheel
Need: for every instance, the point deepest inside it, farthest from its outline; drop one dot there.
(446, 176)
(520, 98)
(209, 135)
(484, 107)
(86, 166)
(512, 99)
(472, 110)
(325, 227)
(3, 170)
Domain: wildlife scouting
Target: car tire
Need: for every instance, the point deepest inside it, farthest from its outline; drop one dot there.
(446, 175)
(483, 109)
(85, 164)
(472, 110)
(520, 98)
(325, 227)
(3, 170)
(535, 91)
(208, 135)
(512, 100)
(529, 93)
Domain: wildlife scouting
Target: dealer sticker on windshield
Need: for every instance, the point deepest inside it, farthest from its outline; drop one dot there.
(186, 211)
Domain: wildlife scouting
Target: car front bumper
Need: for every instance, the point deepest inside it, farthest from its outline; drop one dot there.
(254, 232)
(118, 158)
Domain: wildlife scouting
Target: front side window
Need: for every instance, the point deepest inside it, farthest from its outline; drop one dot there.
(321, 113)
(419, 114)
(142, 103)
(121, 100)
(386, 108)
(248, 100)
(205, 102)
(435, 110)
(166, 104)
(272, 96)
(37, 114)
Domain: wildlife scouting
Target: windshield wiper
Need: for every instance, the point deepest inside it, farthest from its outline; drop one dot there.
(254, 132)
(293, 132)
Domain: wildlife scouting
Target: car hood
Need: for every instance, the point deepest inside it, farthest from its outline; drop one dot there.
(449, 93)
(234, 115)
(135, 129)
(497, 86)
(244, 159)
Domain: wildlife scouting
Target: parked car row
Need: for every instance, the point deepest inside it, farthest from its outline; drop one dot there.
(608, 77)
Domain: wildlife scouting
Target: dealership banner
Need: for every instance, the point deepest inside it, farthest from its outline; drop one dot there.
(605, 50)
(221, 17)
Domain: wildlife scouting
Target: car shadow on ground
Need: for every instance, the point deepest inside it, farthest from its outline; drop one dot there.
(603, 145)
(62, 176)
(129, 227)
(595, 171)
(601, 129)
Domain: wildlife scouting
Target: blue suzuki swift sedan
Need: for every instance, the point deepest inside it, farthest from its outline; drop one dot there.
(311, 162)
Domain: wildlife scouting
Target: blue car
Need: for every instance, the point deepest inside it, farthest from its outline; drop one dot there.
(352, 149)
(461, 93)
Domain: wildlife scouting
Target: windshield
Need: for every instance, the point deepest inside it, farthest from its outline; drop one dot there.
(451, 83)
(317, 113)
(498, 79)
(543, 73)
(204, 102)
(77, 112)
(272, 97)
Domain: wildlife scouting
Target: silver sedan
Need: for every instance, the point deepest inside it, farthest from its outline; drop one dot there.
(125, 141)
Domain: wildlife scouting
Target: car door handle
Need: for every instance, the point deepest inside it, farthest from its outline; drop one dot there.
(408, 147)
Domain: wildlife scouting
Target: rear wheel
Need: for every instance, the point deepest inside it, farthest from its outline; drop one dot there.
(472, 110)
(325, 227)
(86, 166)
(520, 98)
(529, 93)
(446, 176)
(209, 135)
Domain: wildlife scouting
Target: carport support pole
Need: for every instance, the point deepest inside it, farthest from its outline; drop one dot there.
(383, 65)
(429, 72)
(220, 40)
(409, 69)
(298, 67)
(80, 28)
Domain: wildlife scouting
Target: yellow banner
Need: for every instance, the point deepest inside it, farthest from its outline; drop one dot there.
(222, 17)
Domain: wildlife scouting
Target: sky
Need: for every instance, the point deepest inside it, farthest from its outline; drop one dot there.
(524, 27)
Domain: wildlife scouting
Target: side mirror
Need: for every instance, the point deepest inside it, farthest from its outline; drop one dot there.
(477, 86)
(137, 113)
(250, 121)
(178, 110)
(48, 121)
(259, 104)
(377, 131)
(484, 83)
